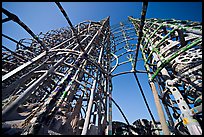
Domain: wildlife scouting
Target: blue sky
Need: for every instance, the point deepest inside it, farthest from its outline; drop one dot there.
(45, 16)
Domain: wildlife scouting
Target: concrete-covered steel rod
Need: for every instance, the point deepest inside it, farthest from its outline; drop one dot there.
(17, 20)
(145, 100)
(16, 42)
(144, 10)
(70, 23)
(157, 102)
(126, 120)
(90, 104)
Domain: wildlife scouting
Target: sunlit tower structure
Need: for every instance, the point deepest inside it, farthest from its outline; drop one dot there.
(60, 82)
(69, 80)
(172, 54)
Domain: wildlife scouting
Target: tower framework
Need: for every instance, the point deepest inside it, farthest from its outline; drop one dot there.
(65, 86)
(172, 55)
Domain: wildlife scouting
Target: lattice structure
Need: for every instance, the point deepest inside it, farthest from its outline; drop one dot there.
(61, 82)
(172, 53)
